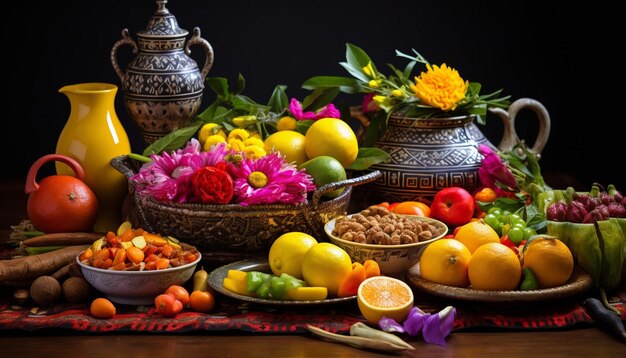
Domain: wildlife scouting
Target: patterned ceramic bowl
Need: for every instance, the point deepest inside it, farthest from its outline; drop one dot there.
(393, 260)
(136, 287)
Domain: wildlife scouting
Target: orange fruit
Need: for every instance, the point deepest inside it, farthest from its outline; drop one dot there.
(102, 308)
(494, 267)
(476, 233)
(550, 260)
(384, 296)
(201, 301)
(445, 262)
(180, 293)
(62, 203)
(412, 208)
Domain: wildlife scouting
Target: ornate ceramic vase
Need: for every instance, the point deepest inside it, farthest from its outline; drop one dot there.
(162, 85)
(429, 154)
(93, 135)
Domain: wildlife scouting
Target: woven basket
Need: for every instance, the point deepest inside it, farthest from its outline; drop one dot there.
(232, 232)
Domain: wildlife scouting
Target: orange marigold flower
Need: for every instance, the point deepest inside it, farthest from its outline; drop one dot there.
(440, 87)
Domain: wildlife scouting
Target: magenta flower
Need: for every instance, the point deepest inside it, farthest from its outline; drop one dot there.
(295, 107)
(270, 179)
(493, 171)
(368, 104)
(433, 327)
(168, 176)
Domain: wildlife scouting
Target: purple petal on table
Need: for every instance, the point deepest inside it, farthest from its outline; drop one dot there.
(390, 325)
(438, 327)
(414, 323)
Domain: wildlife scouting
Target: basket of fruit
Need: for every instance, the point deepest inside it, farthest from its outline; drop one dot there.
(229, 232)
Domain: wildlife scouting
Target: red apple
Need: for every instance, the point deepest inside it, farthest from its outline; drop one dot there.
(454, 206)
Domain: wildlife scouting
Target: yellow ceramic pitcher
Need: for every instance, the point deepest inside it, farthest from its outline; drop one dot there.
(93, 135)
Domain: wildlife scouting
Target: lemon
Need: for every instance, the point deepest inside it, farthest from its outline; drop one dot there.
(286, 123)
(287, 252)
(208, 130)
(332, 137)
(326, 265)
(383, 296)
(288, 143)
(325, 170)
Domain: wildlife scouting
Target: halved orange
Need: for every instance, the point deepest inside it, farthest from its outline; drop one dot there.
(383, 296)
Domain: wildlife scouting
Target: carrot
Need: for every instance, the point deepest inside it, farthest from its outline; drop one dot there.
(62, 239)
(30, 267)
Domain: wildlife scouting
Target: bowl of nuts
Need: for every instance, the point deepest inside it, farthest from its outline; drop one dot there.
(394, 241)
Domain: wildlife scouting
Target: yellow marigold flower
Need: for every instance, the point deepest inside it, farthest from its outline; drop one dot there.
(369, 70)
(440, 87)
(212, 140)
(236, 145)
(253, 141)
(238, 133)
(254, 152)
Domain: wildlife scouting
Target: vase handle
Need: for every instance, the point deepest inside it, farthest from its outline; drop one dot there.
(125, 40)
(196, 39)
(509, 136)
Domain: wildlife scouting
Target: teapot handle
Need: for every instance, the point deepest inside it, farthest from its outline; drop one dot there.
(510, 138)
(31, 177)
(208, 50)
(125, 40)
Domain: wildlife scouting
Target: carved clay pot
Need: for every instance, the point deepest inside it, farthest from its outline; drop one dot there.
(429, 154)
(162, 85)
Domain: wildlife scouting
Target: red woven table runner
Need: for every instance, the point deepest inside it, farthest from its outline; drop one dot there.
(234, 315)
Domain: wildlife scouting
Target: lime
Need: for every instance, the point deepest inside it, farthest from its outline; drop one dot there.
(324, 170)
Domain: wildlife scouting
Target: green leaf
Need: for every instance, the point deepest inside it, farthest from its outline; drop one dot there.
(354, 71)
(174, 140)
(345, 84)
(219, 85)
(319, 98)
(209, 113)
(367, 157)
(240, 85)
(357, 58)
(303, 126)
(279, 101)
(245, 103)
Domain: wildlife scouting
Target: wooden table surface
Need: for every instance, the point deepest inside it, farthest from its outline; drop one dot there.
(579, 341)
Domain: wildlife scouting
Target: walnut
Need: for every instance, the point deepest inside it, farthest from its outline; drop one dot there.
(354, 236)
(425, 235)
(378, 238)
(395, 239)
(412, 236)
(375, 210)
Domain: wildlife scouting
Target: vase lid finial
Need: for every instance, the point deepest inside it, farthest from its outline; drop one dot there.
(163, 23)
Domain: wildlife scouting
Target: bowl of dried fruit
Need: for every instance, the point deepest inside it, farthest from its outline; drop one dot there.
(134, 266)
(395, 241)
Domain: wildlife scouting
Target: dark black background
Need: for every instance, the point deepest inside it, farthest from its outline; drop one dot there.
(534, 49)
